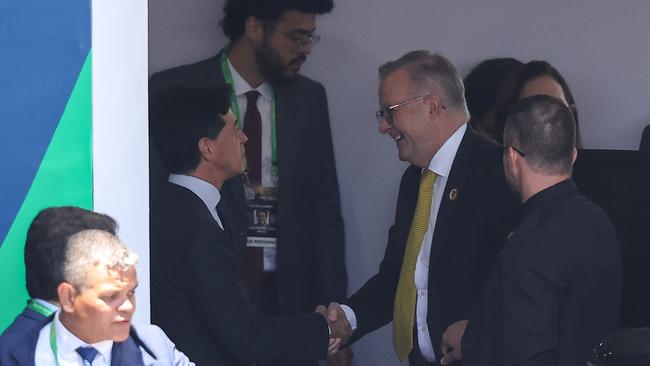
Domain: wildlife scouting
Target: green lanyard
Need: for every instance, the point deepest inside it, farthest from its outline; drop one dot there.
(39, 308)
(227, 76)
(53, 346)
(45, 311)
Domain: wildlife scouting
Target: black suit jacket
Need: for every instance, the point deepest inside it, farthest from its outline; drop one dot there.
(555, 289)
(198, 297)
(469, 232)
(310, 252)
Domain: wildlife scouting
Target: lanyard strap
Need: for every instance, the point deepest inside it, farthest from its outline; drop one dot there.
(39, 308)
(53, 345)
(227, 76)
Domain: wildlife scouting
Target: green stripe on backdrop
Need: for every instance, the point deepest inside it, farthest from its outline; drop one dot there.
(64, 178)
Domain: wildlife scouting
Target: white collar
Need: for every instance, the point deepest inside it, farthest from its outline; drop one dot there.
(241, 86)
(208, 193)
(67, 343)
(444, 158)
(47, 304)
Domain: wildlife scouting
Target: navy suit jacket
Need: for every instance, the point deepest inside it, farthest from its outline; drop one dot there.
(23, 323)
(149, 346)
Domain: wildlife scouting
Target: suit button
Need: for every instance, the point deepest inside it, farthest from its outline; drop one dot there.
(241, 234)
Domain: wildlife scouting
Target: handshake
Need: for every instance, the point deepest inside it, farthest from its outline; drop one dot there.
(340, 330)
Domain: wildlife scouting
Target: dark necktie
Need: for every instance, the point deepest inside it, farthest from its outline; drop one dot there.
(87, 354)
(253, 130)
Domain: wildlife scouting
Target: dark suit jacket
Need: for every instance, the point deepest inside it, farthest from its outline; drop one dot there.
(555, 289)
(199, 299)
(468, 235)
(148, 347)
(310, 252)
(23, 323)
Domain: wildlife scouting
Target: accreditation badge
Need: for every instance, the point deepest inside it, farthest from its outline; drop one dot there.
(262, 211)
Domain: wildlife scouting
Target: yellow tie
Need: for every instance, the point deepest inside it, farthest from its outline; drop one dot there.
(404, 311)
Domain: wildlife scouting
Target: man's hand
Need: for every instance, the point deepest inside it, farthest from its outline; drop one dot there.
(451, 342)
(341, 358)
(339, 327)
(339, 322)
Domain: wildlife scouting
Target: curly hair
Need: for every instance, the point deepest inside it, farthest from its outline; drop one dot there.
(236, 12)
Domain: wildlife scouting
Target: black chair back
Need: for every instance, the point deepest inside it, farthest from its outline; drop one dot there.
(619, 182)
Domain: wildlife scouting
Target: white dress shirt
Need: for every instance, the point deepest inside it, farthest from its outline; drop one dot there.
(264, 102)
(441, 165)
(208, 193)
(67, 343)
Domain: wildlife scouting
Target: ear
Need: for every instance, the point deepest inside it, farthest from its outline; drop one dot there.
(575, 156)
(513, 159)
(67, 293)
(435, 106)
(254, 29)
(205, 148)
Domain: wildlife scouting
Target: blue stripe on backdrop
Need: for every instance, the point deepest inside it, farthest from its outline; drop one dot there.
(44, 44)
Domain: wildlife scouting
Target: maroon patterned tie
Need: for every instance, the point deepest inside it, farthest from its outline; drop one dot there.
(253, 130)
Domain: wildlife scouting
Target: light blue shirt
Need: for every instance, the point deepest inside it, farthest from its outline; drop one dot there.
(67, 343)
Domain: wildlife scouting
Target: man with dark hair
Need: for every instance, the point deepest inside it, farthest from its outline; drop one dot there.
(44, 255)
(299, 261)
(197, 288)
(554, 291)
(452, 210)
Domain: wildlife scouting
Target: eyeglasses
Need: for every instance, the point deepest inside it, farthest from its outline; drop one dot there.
(301, 42)
(388, 112)
(515, 149)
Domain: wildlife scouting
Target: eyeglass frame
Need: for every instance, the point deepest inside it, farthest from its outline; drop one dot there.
(383, 113)
(301, 42)
(506, 147)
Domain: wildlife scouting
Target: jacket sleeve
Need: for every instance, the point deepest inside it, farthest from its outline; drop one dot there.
(331, 275)
(222, 301)
(373, 303)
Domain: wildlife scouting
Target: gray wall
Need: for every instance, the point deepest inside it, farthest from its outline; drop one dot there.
(600, 46)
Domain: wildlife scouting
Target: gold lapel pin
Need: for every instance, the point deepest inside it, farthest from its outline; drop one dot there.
(453, 194)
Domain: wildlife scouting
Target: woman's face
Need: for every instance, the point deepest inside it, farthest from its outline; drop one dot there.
(543, 85)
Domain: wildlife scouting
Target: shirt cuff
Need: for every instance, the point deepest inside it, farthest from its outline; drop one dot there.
(349, 313)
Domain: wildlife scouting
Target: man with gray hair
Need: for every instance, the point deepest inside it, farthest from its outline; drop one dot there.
(97, 299)
(554, 291)
(45, 243)
(452, 213)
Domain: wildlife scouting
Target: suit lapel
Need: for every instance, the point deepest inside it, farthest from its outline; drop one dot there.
(448, 207)
(24, 351)
(287, 131)
(126, 353)
(233, 192)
